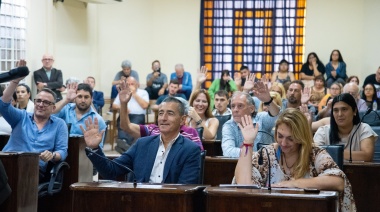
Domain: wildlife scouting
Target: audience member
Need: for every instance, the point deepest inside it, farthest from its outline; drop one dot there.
(221, 104)
(312, 68)
(283, 75)
(241, 76)
(224, 83)
(38, 131)
(318, 91)
(324, 106)
(353, 89)
(137, 131)
(295, 161)
(165, 158)
(200, 114)
(297, 95)
(375, 80)
(156, 82)
(173, 91)
(354, 79)
(184, 80)
(137, 108)
(49, 77)
(97, 96)
(242, 105)
(276, 98)
(76, 108)
(23, 98)
(122, 75)
(369, 95)
(345, 127)
(279, 88)
(336, 69)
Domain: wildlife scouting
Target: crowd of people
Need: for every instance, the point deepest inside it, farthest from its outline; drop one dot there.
(279, 111)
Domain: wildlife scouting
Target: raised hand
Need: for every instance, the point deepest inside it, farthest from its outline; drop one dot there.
(91, 134)
(249, 83)
(237, 78)
(264, 79)
(248, 130)
(125, 93)
(21, 63)
(306, 95)
(261, 91)
(202, 74)
(71, 91)
(305, 110)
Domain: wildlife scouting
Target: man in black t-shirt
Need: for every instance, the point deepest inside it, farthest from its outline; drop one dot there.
(375, 80)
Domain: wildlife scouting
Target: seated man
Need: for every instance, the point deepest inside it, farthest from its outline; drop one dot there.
(173, 91)
(345, 127)
(97, 96)
(221, 104)
(122, 75)
(137, 108)
(165, 158)
(76, 113)
(137, 131)
(156, 82)
(184, 80)
(353, 89)
(35, 132)
(243, 104)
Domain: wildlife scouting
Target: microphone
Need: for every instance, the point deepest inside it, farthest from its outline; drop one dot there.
(261, 162)
(369, 110)
(121, 165)
(14, 74)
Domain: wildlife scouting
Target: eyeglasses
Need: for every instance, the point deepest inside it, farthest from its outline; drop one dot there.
(47, 59)
(45, 103)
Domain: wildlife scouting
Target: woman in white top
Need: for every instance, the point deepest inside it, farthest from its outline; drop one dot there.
(345, 127)
(23, 98)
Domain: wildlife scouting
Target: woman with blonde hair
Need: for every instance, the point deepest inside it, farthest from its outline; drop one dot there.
(279, 88)
(295, 161)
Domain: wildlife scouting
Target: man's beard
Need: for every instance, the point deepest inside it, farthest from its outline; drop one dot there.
(83, 108)
(292, 100)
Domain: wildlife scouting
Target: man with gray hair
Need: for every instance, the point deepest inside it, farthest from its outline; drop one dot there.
(126, 71)
(242, 105)
(353, 89)
(184, 79)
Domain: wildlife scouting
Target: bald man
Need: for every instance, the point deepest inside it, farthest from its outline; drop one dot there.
(353, 89)
(49, 77)
(137, 108)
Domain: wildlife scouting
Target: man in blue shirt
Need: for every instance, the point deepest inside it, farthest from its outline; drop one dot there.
(77, 113)
(35, 132)
(184, 79)
(97, 96)
(173, 91)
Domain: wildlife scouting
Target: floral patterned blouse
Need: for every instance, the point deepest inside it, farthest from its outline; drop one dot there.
(321, 165)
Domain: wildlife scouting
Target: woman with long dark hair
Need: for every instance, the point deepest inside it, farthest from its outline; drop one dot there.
(23, 100)
(345, 127)
(224, 83)
(336, 69)
(369, 95)
(312, 68)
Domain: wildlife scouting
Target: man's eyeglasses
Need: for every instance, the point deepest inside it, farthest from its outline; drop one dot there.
(47, 59)
(45, 103)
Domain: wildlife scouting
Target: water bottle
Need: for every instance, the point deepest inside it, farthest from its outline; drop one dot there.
(374, 105)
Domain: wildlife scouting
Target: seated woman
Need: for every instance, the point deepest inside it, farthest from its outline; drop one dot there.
(23, 98)
(279, 88)
(295, 162)
(225, 83)
(324, 106)
(345, 127)
(369, 95)
(336, 69)
(200, 114)
(312, 68)
(354, 79)
(283, 75)
(276, 98)
(318, 91)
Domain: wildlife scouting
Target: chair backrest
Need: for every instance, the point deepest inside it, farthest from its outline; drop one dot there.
(202, 166)
(200, 132)
(373, 118)
(222, 120)
(336, 152)
(376, 154)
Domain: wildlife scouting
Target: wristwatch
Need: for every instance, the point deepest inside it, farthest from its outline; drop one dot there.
(268, 103)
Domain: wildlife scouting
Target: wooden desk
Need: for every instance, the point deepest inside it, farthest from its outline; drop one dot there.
(233, 199)
(213, 147)
(219, 170)
(23, 173)
(120, 196)
(365, 181)
(80, 171)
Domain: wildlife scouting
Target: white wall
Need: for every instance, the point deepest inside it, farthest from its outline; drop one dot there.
(94, 39)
